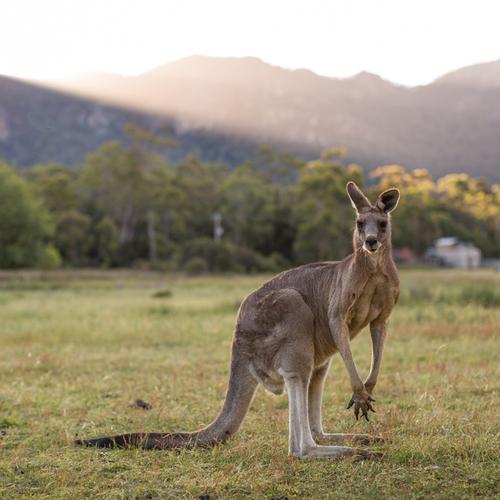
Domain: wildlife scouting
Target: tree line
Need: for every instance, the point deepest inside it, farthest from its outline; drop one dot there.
(126, 205)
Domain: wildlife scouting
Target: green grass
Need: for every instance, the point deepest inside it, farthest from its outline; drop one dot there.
(77, 349)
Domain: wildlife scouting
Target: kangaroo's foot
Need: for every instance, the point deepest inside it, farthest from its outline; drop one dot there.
(337, 453)
(326, 438)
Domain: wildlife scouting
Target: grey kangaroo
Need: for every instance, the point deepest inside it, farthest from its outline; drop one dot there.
(287, 332)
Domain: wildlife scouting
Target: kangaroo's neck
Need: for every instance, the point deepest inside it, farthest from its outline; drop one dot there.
(368, 264)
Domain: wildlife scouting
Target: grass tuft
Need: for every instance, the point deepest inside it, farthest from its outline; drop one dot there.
(162, 294)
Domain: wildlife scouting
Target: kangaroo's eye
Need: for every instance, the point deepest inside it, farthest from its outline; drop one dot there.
(360, 224)
(383, 224)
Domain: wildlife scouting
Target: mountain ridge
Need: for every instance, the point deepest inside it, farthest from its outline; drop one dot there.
(485, 75)
(451, 124)
(42, 125)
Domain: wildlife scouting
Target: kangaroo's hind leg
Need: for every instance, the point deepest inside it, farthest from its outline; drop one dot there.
(301, 443)
(295, 360)
(316, 388)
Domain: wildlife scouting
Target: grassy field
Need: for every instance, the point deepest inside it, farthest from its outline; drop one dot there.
(76, 349)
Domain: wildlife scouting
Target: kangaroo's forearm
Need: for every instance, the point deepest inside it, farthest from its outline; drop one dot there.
(378, 333)
(340, 335)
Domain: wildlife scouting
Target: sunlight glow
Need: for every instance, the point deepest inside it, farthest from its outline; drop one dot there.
(410, 42)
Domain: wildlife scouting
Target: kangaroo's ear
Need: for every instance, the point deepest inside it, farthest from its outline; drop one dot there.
(358, 199)
(388, 200)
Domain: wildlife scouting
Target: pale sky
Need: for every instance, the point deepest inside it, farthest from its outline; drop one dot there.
(406, 41)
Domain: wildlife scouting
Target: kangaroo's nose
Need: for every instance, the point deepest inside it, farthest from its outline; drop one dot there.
(371, 242)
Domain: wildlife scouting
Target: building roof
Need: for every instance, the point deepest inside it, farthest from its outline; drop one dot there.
(447, 241)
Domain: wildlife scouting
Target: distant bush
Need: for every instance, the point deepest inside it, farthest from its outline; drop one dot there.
(204, 254)
(275, 263)
(162, 294)
(196, 265)
(72, 236)
(49, 258)
(106, 241)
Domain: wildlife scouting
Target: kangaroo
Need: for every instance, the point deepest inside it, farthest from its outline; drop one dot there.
(287, 332)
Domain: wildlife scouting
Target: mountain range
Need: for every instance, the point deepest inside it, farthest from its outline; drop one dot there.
(222, 108)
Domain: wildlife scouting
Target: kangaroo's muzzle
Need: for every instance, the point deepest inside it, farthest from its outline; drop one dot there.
(371, 244)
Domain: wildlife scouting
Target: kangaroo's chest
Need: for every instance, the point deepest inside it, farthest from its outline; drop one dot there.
(369, 302)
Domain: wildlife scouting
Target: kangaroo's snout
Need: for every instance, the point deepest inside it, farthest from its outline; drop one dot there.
(371, 244)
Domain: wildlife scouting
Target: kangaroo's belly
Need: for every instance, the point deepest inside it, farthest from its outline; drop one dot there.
(366, 307)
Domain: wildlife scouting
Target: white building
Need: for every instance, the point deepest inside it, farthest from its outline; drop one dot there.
(452, 252)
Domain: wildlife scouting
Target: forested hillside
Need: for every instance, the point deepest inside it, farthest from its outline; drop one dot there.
(128, 206)
(38, 125)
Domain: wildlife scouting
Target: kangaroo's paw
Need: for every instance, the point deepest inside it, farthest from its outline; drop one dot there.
(362, 402)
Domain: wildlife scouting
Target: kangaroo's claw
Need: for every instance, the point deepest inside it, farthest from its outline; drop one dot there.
(362, 405)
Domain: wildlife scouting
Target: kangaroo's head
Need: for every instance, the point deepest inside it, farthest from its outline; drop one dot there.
(373, 224)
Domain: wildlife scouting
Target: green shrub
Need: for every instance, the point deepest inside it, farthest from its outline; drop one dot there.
(211, 255)
(25, 225)
(196, 265)
(274, 263)
(49, 258)
(162, 294)
(224, 256)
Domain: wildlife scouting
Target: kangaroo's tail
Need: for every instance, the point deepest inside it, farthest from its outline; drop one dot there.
(239, 395)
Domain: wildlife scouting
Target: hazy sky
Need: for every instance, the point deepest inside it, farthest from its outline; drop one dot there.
(406, 41)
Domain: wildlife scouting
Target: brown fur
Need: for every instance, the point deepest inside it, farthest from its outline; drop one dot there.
(288, 330)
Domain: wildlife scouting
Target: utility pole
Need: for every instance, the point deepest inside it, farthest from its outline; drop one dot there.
(218, 229)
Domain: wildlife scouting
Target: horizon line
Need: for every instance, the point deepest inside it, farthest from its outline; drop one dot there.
(61, 79)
